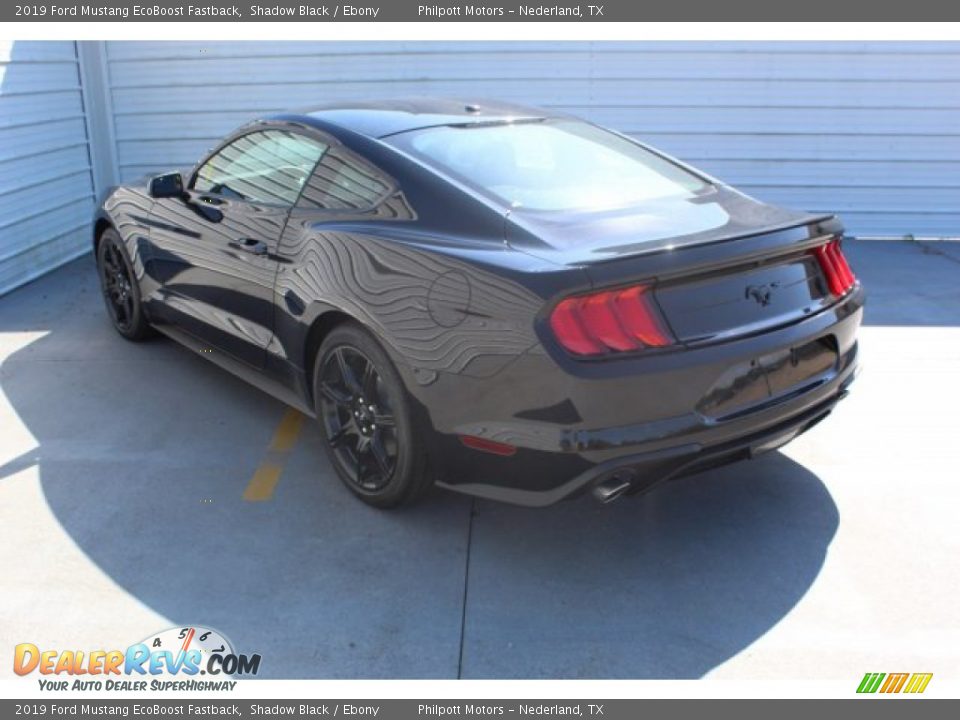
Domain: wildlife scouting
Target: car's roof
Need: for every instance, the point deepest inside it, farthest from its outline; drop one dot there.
(379, 118)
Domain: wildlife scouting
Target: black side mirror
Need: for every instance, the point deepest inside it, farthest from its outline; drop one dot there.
(166, 186)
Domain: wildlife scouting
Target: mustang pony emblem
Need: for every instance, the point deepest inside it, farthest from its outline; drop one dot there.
(761, 293)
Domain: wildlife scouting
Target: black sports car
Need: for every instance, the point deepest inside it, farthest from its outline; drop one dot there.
(506, 301)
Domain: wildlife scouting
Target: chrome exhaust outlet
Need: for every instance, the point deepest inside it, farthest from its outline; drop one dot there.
(610, 490)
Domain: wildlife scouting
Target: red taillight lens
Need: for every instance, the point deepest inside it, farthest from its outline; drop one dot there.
(568, 327)
(836, 269)
(598, 313)
(843, 266)
(641, 317)
(611, 321)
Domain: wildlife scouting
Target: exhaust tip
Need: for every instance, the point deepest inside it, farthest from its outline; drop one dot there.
(612, 489)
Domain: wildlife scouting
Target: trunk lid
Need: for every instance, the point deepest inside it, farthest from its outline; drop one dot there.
(742, 299)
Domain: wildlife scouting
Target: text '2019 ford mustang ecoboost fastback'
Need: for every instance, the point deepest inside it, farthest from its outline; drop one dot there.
(509, 302)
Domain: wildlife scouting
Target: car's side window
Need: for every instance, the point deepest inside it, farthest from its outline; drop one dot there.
(268, 166)
(343, 181)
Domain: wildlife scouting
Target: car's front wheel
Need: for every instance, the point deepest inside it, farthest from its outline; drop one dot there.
(368, 425)
(120, 290)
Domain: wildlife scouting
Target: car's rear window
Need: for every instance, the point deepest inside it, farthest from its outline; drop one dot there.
(550, 165)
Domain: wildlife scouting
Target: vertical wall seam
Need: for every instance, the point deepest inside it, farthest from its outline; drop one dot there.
(98, 112)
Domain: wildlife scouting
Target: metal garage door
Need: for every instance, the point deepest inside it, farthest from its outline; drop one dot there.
(46, 186)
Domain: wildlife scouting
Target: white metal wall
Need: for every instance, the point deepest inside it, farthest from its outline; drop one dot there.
(46, 187)
(869, 130)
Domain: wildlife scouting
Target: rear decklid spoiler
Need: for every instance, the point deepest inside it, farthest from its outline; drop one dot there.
(654, 228)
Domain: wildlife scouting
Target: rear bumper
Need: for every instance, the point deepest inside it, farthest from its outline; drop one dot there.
(640, 472)
(640, 423)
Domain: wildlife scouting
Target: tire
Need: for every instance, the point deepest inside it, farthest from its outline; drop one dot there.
(121, 294)
(345, 390)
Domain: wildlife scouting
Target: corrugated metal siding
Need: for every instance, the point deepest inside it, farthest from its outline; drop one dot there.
(46, 187)
(870, 130)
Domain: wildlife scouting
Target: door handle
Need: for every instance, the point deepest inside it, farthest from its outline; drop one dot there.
(251, 245)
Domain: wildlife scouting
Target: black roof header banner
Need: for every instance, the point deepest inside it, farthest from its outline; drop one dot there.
(446, 11)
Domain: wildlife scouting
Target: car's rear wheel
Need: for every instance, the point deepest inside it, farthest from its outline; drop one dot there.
(120, 290)
(366, 418)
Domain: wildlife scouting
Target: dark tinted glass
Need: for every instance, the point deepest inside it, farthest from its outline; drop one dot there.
(342, 181)
(268, 167)
(552, 165)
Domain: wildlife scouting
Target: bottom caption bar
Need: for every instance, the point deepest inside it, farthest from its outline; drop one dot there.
(414, 709)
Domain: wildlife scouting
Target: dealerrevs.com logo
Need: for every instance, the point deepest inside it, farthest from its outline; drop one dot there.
(170, 660)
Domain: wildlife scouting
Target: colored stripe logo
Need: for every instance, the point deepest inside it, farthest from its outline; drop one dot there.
(913, 683)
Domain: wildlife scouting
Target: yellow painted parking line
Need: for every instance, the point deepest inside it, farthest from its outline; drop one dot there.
(262, 483)
(265, 479)
(287, 433)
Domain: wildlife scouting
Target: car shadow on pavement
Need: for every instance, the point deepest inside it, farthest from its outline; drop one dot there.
(144, 450)
(667, 585)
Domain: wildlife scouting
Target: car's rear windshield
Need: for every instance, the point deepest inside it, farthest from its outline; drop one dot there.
(550, 164)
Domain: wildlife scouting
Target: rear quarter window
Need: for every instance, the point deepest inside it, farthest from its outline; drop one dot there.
(344, 181)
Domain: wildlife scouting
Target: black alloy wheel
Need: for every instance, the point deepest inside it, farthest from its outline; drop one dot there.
(120, 292)
(366, 419)
(358, 418)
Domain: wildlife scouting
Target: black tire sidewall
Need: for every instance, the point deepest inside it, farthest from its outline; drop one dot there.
(409, 475)
(139, 327)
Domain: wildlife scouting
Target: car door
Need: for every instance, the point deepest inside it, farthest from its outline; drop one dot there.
(214, 249)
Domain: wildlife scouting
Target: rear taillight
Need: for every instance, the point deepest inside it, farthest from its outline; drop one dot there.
(836, 269)
(611, 321)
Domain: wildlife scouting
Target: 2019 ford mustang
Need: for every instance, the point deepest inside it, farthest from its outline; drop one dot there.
(506, 301)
